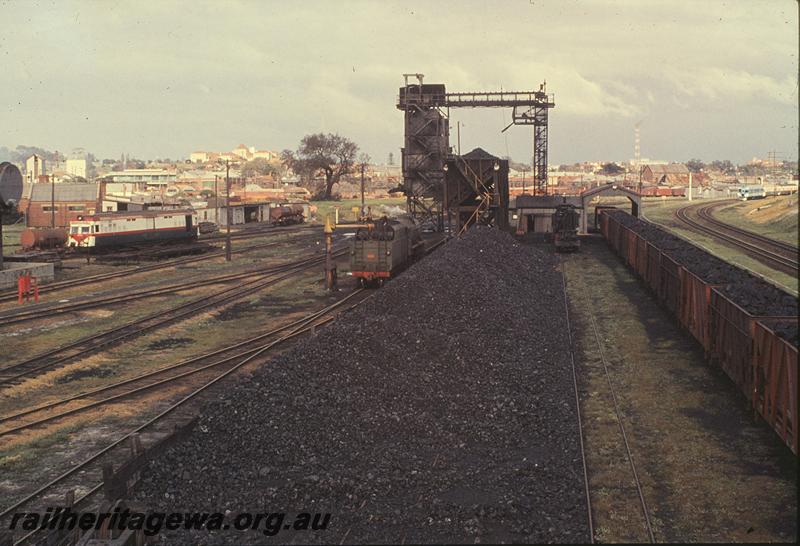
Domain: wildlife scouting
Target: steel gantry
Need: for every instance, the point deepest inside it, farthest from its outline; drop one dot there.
(427, 136)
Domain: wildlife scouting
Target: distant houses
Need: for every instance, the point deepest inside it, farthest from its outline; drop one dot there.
(240, 153)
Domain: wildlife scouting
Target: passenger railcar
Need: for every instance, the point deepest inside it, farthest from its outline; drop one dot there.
(782, 189)
(380, 249)
(752, 192)
(116, 229)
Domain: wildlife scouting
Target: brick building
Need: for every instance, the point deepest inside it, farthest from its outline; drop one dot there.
(673, 174)
(71, 201)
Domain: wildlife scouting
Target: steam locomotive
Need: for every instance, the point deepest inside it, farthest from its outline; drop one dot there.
(565, 228)
(382, 248)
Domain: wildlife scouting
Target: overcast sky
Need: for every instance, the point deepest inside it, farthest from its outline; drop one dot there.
(714, 80)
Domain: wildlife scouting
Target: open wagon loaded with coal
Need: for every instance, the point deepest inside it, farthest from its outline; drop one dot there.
(413, 418)
(746, 325)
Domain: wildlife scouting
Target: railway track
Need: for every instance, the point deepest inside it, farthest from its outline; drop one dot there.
(156, 252)
(775, 254)
(93, 279)
(219, 236)
(161, 377)
(600, 351)
(14, 373)
(204, 370)
(16, 316)
(87, 474)
(590, 521)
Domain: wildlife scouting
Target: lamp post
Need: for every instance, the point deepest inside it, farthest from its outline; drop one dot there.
(228, 214)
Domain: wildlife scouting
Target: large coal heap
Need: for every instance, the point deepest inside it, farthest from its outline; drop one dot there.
(441, 410)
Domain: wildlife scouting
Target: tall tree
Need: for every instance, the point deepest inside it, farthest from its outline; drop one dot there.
(695, 165)
(258, 167)
(724, 165)
(329, 154)
(611, 169)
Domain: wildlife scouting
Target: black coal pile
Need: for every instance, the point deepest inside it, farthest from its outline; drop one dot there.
(441, 410)
(756, 296)
(760, 298)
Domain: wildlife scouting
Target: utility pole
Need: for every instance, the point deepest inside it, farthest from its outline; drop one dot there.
(330, 268)
(445, 204)
(640, 179)
(458, 132)
(52, 202)
(228, 210)
(216, 200)
(363, 166)
(2, 206)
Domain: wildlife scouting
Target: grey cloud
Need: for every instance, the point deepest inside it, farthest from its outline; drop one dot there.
(165, 78)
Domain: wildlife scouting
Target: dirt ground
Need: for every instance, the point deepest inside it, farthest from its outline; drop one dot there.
(663, 214)
(709, 471)
(774, 217)
(28, 459)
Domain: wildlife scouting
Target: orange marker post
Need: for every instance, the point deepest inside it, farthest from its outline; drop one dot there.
(27, 284)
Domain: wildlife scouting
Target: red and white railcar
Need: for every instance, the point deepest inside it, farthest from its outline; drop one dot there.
(116, 229)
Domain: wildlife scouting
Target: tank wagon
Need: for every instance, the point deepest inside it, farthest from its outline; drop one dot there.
(382, 248)
(565, 228)
(43, 238)
(116, 229)
(285, 215)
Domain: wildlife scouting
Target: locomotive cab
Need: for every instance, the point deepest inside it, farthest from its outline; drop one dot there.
(81, 232)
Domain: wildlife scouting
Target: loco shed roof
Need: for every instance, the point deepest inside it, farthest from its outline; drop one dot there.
(40, 192)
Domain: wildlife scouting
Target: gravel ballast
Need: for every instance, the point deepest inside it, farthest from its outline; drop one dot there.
(756, 296)
(440, 410)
